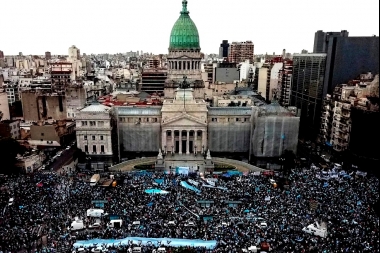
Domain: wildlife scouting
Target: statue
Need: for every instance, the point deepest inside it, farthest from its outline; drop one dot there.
(208, 157)
(185, 84)
(160, 157)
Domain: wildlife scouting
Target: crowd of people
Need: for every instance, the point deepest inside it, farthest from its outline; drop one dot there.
(238, 211)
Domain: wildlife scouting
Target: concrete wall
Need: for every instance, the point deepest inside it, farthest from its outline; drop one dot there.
(4, 106)
(227, 75)
(46, 133)
(33, 106)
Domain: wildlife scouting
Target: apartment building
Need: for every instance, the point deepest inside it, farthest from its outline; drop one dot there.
(336, 124)
(241, 51)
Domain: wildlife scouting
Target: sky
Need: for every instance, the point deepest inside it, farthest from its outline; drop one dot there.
(119, 26)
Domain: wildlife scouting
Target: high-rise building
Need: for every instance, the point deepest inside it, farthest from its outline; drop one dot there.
(74, 53)
(47, 55)
(307, 91)
(322, 39)
(285, 82)
(224, 49)
(349, 56)
(241, 51)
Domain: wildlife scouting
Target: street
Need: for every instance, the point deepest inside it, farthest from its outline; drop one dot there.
(65, 159)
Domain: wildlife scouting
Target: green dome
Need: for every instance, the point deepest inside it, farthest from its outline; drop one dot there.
(184, 34)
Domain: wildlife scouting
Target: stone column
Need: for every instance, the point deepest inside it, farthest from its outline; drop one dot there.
(188, 143)
(180, 142)
(164, 140)
(204, 139)
(173, 141)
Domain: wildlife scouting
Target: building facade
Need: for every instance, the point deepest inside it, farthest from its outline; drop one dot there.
(4, 106)
(322, 39)
(10, 129)
(241, 51)
(94, 133)
(307, 91)
(224, 49)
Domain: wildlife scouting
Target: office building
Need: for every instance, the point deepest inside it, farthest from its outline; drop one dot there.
(322, 40)
(348, 57)
(224, 49)
(47, 56)
(153, 80)
(307, 91)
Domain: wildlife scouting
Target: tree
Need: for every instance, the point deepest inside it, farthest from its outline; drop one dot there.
(9, 148)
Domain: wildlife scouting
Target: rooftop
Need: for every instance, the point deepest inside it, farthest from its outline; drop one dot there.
(139, 111)
(96, 108)
(226, 111)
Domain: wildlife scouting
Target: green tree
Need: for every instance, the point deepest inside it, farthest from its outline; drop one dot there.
(9, 148)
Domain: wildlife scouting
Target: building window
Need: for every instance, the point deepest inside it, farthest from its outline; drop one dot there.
(84, 123)
(85, 137)
(93, 137)
(86, 148)
(237, 119)
(102, 148)
(199, 133)
(169, 133)
(92, 123)
(94, 149)
(155, 120)
(100, 123)
(214, 120)
(101, 137)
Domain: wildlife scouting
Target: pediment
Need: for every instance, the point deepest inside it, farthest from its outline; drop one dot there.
(184, 120)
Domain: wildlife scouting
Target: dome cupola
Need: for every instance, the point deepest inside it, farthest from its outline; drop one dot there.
(184, 34)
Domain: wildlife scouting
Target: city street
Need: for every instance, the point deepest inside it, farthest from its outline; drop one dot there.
(65, 159)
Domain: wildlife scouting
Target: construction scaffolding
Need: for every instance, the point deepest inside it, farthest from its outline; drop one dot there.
(275, 129)
(229, 129)
(139, 128)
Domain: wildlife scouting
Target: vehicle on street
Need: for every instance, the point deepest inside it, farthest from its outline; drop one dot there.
(94, 179)
(95, 213)
(95, 225)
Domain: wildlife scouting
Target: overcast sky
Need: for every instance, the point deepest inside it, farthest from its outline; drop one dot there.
(113, 26)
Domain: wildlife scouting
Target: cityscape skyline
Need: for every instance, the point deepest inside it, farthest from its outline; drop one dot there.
(87, 35)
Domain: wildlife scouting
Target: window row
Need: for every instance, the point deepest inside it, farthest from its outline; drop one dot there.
(138, 120)
(94, 149)
(93, 123)
(224, 120)
(93, 137)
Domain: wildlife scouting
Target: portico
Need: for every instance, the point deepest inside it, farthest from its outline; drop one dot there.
(183, 140)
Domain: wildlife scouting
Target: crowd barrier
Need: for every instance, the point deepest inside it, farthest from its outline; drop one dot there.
(146, 241)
